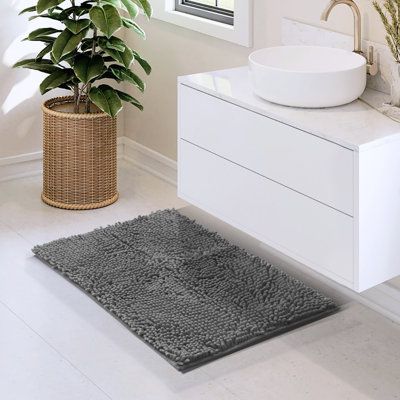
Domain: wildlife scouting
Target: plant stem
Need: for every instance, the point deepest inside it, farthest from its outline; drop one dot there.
(87, 106)
(74, 13)
(76, 86)
(76, 98)
(89, 85)
(81, 93)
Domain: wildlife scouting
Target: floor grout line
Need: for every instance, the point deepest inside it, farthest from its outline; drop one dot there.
(55, 350)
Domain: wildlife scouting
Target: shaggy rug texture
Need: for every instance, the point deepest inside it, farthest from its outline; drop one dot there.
(185, 291)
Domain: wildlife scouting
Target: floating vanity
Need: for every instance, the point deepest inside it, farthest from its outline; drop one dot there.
(320, 185)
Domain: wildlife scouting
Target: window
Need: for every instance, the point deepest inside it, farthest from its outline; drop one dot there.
(229, 20)
(216, 10)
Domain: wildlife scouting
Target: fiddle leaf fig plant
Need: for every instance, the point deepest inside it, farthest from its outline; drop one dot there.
(81, 48)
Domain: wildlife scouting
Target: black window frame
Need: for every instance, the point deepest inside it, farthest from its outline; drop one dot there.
(205, 11)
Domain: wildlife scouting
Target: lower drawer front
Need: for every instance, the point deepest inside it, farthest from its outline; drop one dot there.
(306, 230)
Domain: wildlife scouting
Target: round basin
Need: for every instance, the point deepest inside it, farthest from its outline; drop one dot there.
(308, 76)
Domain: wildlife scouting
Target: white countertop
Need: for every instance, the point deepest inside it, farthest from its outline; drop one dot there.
(355, 126)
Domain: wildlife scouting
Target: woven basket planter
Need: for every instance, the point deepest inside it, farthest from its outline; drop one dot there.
(79, 157)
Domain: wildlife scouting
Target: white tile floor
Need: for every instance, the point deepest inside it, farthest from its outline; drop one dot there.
(56, 343)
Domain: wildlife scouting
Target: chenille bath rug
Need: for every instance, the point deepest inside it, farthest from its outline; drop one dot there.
(185, 291)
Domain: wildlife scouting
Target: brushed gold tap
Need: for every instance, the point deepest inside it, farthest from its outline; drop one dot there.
(372, 68)
(357, 20)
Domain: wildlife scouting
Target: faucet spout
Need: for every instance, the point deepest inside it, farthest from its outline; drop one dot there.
(329, 7)
(357, 20)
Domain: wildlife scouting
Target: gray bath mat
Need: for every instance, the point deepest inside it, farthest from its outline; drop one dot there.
(185, 291)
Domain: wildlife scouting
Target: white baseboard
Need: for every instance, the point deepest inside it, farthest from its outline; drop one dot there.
(120, 148)
(30, 164)
(21, 166)
(384, 298)
(149, 160)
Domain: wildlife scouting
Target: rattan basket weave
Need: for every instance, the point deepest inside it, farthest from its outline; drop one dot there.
(79, 158)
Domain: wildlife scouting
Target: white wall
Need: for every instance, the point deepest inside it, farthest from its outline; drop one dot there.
(20, 100)
(19, 128)
(175, 51)
(172, 51)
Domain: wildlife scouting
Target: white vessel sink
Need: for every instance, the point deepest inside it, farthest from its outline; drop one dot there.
(308, 76)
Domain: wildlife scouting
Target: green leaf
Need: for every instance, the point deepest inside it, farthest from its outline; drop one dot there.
(45, 51)
(44, 39)
(87, 44)
(106, 18)
(129, 99)
(39, 65)
(132, 8)
(86, 68)
(44, 5)
(56, 79)
(42, 32)
(77, 26)
(53, 60)
(55, 17)
(115, 3)
(66, 43)
(77, 10)
(125, 74)
(134, 26)
(127, 57)
(107, 99)
(115, 43)
(145, 6)
(108, 75)
(143, 63)
(22, 63)
(115, 54)
(28, 9)
(127, 5)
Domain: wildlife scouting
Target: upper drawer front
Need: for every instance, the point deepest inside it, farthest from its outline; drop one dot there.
(310, 165)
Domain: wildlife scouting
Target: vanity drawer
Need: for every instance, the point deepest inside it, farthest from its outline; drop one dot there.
(306, 230)
(301, 161)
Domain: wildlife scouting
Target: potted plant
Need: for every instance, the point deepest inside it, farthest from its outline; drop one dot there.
(80, 51)
(390, 16)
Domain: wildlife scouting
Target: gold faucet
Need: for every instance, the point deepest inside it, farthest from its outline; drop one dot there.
(372, 68)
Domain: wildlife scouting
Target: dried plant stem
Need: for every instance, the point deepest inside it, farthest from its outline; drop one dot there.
(390, 16)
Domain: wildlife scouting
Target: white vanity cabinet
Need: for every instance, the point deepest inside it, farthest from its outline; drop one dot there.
(327, 196)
